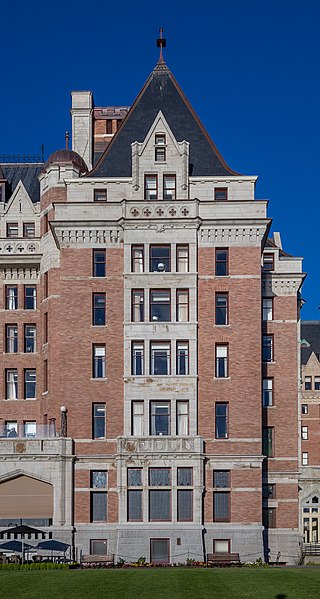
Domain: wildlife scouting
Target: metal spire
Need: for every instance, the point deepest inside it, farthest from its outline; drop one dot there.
(161, 43)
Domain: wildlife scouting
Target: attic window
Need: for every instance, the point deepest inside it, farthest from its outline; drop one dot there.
(28, 230)
(160, 139)
(100, 195)
(220, 194)
(12, 229)
(160, 154)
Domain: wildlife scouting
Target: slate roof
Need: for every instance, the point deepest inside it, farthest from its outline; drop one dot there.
(161, 92)
(310, 331)
(28, 174)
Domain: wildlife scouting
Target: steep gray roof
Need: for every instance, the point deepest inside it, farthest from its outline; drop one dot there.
(161, 92)
(310, 331)
(28, 174)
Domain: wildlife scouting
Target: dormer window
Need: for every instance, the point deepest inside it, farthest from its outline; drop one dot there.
(151, 187)
(160, 149)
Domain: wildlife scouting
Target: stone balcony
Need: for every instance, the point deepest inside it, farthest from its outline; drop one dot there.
(16, 250)
(160, 445)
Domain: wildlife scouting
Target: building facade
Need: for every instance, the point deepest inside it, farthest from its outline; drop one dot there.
(150, 332)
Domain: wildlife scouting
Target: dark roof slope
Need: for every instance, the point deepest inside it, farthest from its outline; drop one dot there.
(161, 92)
(28, 174)
(310, 331)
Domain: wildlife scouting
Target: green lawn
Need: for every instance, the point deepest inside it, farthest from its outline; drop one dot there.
(225, 583)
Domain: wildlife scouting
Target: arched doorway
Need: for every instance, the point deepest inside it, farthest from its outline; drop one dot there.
(311, 519)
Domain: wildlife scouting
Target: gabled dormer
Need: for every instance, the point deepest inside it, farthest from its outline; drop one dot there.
(160, 164)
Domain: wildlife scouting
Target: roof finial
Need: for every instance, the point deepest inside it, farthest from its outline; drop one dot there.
(67, 140)
(161, 43)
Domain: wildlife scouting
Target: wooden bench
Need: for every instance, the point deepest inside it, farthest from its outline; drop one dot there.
(223, 559)
(96, 560)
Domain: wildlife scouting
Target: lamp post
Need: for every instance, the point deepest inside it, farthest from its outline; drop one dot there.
(63, 421)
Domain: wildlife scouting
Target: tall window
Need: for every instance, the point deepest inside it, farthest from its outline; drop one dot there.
(137, 416)
(182, 305)
(30, 332)
(221, 496)
(169, 187)
(268, 441)
(221, 308)
(160, 499)
(220, 194)
(134, 496)
(45, 284)
(221, 361)
(267, 308)
(160, 258)
(99, 263)
(30, 383)
(267, 392)
(182, 418)
(182, 358)
(160, 305)
(99, 506)
(150, 187)
(221, 262)
(221, 420)
(99, 309)
(45, 376)
(137, 258)
(11, 383)
(137, 305)
(99, 421)
(160, 358)
(160, 149)
(267, 348)
(99, 361)
(12, 230)
(160, 418)
(305, 458)
(11, 338)
(30, 297)
(269, 517)
(185, 505)
(304, 433)
(137, 362)
(28, 230)
(45, 327)
(182, 258)
(11, 297)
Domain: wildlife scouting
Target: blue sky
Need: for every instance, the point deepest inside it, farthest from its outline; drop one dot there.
(249, 68)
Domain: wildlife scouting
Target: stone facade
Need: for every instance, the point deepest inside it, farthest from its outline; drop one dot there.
(173, 445)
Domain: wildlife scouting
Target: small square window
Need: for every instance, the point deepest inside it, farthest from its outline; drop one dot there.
(98, 547)
(160, 139)
(100, 195)
(221, 545)
(12, 229)
(220, 194)
(29, 230)
(221, 479)
(160, 154)
(268, 262)
(99, 479)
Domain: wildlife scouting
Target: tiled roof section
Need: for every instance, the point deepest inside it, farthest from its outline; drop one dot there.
(28, 174)
(161, 92)
(310, 332)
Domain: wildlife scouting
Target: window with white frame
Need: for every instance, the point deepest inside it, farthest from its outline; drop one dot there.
(160, 356)
(137, 258)
(137, 416)
(137, 305)
(11, 338)
(182, 358)
(267, 308)
(11, 428)
(169, 187)
(151, 187)
(305, 458)
(182, 305)
(137, 358)
(304, 433)
(11, 297)
(182, 418)
(99, 361)
(160, 418)
(30, 429)
(182, 258)
(12, 383)
(160, 305)
(222, 361)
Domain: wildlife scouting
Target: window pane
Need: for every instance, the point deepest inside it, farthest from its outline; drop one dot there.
(134, 505)
(267, 441)
(150, 188)
(308, 383)
(267, 349)
(28, 230)
(137, 312)
(11, 338)
(160, 418)
(137, 418)
(221, 308)
(182, 418)
(134, 477)
(99, 263)
(30, 384)
(267, 308)
(99, 479)
(169, 187)
(182, 305)
(137, 258)
(99, 421)
(160, 550)
(159, 477)
(221, 361)
(30, 298)
(182, 358)
(221, 420)
(30, 429)
(221, 479)
(221, 263)
(267, 392)
(137, 358)
(221, 546)
(12, 384)
(160, 309)
(183, 258)
(160, 258)
(220, 194)
(185, 501)
(160, 505)
(11, 298)
(30, 338)
(98, 547)
(184, 477)
(221, 507)
(160, 359)
(99, 309)
(99, 507)
(99, 361)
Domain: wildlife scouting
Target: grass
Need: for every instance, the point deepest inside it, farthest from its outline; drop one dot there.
(176, 583)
